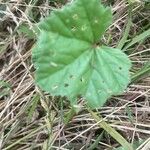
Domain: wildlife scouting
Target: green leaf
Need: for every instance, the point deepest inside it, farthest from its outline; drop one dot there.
(70, 62)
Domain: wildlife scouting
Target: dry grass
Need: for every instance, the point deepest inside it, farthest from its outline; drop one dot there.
(31, 119)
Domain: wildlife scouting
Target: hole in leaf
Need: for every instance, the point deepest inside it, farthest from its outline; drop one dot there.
(53, 64)
(66, 85)
(55, 87)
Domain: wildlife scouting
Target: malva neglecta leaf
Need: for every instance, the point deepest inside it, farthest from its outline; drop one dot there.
(70, 63)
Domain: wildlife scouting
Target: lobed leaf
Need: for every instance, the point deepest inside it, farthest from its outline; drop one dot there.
(70, 63)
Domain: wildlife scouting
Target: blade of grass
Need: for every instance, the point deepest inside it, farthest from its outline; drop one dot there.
(69, 115)
(138, 38)
(103, 125)
(35, 101)
(134, 1)
(127, 29)
(25, 137)
(5, 88)
(25, 29)
(3, 48)
(143, 72)
(135, 145)
(120, 139)
(13, 129)
(95, 144)
(1, 137)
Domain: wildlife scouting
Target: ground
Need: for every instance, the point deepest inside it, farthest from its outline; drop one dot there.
(32, 119)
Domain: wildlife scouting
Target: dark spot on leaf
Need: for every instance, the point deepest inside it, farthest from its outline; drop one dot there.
(103, 81)
(66, 85)
(82, 80)
(120, 68)
(71, 76)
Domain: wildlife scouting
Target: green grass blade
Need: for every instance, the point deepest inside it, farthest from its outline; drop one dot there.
(5, 88)
(143, 72)
(35, 101)
(33, 133)
(135, 145)
(137, 39)
(120, 139)
(127, 30)
(95, 144)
